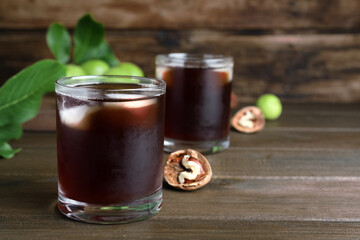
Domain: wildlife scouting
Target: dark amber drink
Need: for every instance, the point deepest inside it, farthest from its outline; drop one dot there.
(197, 101)
(110, 142)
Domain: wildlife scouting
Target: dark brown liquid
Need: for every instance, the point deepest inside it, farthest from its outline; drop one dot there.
(197, 104)
(115, 153)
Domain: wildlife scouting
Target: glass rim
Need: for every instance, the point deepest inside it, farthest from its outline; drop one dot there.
(75, 86)
(195, 60)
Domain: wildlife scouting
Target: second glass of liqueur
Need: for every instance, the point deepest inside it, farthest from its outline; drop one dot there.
(197, 112)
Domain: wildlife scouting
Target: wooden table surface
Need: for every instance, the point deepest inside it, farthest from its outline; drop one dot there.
(297, 179)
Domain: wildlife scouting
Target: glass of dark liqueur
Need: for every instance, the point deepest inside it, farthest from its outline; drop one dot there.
(198, 91)
(110, 147)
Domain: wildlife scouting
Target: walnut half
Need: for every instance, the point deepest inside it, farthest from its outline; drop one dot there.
(248, 120)
(187, 170)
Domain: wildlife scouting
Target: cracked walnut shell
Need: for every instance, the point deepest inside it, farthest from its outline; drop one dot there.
(194, 174)
(248, 120)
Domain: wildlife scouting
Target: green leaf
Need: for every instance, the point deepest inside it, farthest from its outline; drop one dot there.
(7, 151)
(90, 43)
(108, 55)
(10, 131)
(21, 95)
(59, 41)
(88, 36)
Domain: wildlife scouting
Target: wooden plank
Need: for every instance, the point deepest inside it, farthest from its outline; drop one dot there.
(251, 199)
(299, 140)
(245, 163)
(286, 207)
(268, 200)
(289, 15)
(298, 68)
(42, 227)
(248, 158)
(292, 117)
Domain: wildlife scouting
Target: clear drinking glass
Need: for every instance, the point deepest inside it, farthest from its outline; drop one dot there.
(110, 147)
(198, 91)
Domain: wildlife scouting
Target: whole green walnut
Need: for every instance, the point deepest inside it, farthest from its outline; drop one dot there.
(270, 105)
(95, 67)
(74, 70)
(125, 68)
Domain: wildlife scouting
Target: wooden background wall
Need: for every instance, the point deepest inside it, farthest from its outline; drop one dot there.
(301, 50)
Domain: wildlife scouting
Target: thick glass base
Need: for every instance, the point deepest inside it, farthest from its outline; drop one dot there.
(171, 145)
(111, 213)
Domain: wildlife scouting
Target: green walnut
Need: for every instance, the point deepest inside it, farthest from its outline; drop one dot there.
(74, 70)
(95, 67)
(270, 105)
(126, 68)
